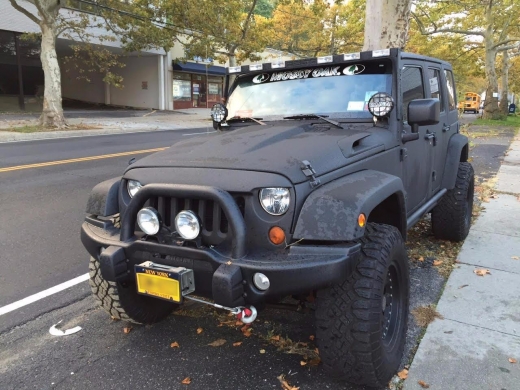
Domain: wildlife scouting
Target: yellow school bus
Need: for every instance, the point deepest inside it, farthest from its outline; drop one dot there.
(471, 102)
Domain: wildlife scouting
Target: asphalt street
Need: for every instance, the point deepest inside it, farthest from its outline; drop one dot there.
(41, 209)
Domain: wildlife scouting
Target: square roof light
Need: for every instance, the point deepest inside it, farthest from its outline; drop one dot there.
(381, 53)
(325, 59)
(277, 64)
(351, 56)
(255, 67)
(234, 69)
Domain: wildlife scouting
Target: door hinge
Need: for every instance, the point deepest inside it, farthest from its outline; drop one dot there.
(403, 154)
(310, 173)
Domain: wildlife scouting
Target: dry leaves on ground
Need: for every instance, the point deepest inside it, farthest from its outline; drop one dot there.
(311, 337)
(515, 257)
(403, 374)
(186, 381)
(481, 271)
(217, 343)
(237, 344)
(175, 344)
(424, 385)
(127, 329)
(246, 330)
(285, 384)
(436, 263)
(425, 315)
(200, 330)
(262, 351)
(512, 360)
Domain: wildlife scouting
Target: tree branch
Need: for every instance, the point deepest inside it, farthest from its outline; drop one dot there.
(505, 43)
(19, 8)
(510, 47)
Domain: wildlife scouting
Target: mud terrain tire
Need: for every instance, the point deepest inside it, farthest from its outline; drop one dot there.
(359, 339)
(123, 302)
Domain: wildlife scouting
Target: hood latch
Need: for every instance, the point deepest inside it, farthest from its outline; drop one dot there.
(310, 173)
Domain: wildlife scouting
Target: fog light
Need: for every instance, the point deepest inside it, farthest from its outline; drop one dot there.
(148, 220)
(187, 224)
(261, 281)
(362, 220)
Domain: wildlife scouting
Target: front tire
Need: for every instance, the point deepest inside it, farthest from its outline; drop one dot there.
(451, 218)
(361, 323)
(123, 302)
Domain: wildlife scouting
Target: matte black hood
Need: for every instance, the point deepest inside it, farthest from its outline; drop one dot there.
(274, 148)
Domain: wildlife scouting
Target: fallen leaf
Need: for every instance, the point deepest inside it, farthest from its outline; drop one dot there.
(302, 363)
(246, 330)
(515, 257)
(200, 330)
(175, 344)
(437, 263)
(217, 343)
(314, 362)
(317, 351)
(403, 374)
(127, 329)
(421, 258)
(275, 338)
(285, 384)
(512, 360)
(311, 337)
(239, 323)
(424, 385)
(237, 344)
(262, 351)
(186, 381)
(464, 285)
(481, 271)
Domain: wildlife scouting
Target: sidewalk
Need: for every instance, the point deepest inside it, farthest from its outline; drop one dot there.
(146, 121)
(470, 348)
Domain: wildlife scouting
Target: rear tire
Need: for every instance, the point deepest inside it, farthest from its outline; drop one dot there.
(361, 323)
(123, 302)
(451, 218)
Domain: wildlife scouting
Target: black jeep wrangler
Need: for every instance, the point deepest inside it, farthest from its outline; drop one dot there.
(314, 173)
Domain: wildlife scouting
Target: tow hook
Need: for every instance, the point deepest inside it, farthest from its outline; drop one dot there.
(245, 314)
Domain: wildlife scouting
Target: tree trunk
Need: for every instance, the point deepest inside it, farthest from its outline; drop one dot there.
(505, 81)
(491, 104)
(386, 24)
(52, 114)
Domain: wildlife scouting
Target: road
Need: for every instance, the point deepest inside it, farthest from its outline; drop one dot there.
(41, 209)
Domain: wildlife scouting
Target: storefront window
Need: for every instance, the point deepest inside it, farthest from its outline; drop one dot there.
(181, 87)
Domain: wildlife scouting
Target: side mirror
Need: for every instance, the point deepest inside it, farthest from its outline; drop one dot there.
(423, 112)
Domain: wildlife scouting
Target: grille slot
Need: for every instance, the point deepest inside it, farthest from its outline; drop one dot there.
(215, 224)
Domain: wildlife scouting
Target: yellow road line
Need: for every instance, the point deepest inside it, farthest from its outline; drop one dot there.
(74, 160)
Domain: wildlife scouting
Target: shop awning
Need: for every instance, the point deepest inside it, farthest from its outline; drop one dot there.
(193, 67)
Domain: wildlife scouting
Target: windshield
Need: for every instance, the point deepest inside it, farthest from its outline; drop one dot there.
(334, 91)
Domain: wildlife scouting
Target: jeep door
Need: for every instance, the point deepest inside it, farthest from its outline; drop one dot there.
(418, 154)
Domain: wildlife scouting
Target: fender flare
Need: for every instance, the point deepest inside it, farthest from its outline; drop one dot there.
(330, 213)
(457, 152)
(104, 198)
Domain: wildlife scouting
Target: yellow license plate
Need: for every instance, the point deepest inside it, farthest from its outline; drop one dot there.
(158, 284)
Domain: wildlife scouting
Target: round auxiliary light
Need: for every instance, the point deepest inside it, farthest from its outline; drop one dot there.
(261, 281)
(149, 221)
(380, 104)
(133, 186)
(275, 200)
(187, 224)
(219, 112)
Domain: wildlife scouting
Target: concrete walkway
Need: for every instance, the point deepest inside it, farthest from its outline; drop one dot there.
(109, 122)
(472, 346)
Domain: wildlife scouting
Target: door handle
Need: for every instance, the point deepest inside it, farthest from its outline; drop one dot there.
(445, 128)
(431, 137)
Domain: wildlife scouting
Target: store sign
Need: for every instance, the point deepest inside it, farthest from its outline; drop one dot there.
(213, 89)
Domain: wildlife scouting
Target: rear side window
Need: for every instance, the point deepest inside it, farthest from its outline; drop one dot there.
(434, 77)
(450, 84)
(412, 86)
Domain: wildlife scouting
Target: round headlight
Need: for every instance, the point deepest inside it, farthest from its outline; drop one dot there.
(133, 186)
(380, 104)
(148, 220)
(219, 112)
(187, 224)
(275, 200)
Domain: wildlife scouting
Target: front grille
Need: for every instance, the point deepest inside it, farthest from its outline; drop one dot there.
(215, 224)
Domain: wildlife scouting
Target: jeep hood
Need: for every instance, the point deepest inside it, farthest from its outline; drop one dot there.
(277, 148)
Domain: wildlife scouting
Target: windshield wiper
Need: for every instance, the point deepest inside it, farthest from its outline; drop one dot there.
(240, 118)
(314, 116)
